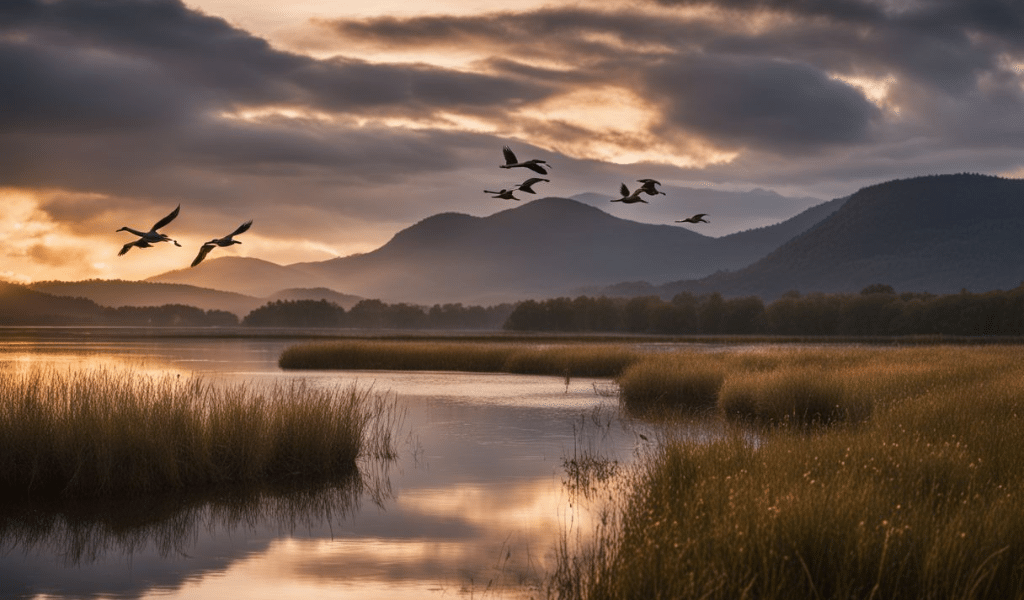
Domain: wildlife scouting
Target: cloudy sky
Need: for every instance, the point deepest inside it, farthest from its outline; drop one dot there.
(334, 124)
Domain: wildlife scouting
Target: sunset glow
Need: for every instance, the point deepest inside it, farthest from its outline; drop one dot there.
(334, 126)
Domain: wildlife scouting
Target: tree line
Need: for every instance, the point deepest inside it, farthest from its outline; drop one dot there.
(375, 314)
(876, 310)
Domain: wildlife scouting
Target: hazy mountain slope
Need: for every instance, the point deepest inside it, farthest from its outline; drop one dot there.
(730, 211)
(248, 276)
(938, 234)
(138, 293)
(545, 247)
(20, 305)
(345, 301)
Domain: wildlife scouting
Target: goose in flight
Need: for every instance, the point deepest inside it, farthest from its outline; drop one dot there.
(649, 187)
(532, 164)
(629, 197)
(527, 186)
(222, 242)
(698, 218)
(503, 194)
(148, 238)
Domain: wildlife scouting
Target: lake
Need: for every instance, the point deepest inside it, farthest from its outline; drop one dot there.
(474, 505)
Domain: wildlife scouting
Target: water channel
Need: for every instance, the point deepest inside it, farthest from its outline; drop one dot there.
(473, 506)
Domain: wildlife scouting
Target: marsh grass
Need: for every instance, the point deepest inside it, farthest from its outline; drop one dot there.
(116, 433)
(921, 499)
(171, 524)
(565, 360)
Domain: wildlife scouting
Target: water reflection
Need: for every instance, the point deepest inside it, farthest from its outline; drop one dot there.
(475, 503)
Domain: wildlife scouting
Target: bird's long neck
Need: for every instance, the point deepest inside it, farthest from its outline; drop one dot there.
(130, 230)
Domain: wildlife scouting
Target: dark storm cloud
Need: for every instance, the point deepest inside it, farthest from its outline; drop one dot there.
(773, 103)
(128, 97)
(131, 58)
(57, 89)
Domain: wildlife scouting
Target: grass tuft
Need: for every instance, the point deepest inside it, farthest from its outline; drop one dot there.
(105, 433)
(921, 499)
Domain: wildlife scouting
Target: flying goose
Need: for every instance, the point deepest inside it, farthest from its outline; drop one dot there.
(527, 186)
(649, 187)
(532, 164)
(503, 194)
(629, 197)
(698, 218)
(222, 242)
(148, 238)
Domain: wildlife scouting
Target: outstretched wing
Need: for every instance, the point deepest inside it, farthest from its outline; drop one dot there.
(242, 228)
(164, 221)
(623, 190)
(510, 157)
(535, 167)
(649, 181)
(202, 254)
(700, 215)
(140, 243)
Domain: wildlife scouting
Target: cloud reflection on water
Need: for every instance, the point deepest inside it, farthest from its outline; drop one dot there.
(475, 499)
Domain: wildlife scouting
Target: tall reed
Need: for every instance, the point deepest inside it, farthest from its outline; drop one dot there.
(581, 360)
(101, 433)
(920, 500)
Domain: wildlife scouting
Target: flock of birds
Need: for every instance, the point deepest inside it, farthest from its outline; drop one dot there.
(153, 236)
(648, 187)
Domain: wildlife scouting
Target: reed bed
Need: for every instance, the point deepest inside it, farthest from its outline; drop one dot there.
(579, 360)
(801, 386)
(105, 433)
(919, 500)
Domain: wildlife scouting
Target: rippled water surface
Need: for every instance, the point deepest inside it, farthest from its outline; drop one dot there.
(473, 506)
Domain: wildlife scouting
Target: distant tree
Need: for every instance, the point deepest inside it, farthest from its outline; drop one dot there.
(296, 313)
(877, 288)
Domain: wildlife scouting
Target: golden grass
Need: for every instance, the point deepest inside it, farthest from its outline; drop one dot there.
(103, 433)
(921, 499)
(574, 359)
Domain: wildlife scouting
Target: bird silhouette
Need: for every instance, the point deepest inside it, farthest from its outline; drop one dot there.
(223, 242)
(527, 186)
(533, 164)
(503, 194)
(148, 238)
(698, 218)
(649, 187)
(629, 197)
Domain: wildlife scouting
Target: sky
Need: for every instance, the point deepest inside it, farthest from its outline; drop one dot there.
(335, 124)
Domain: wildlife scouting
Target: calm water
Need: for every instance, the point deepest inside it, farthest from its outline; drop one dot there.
(474, 505)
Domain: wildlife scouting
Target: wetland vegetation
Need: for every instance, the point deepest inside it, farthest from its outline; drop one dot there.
(915, 495)
(845, 472)
(105, 433)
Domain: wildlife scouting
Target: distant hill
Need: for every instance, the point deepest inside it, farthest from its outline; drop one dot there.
(114, 293)
(20, 305)
(938, 234)
(247, 276)
(731, 211)
(542, 248)
(546, 247)
(537, 249)
(345, 301)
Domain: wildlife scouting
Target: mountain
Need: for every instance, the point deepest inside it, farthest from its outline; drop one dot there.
(115, 293)
(542, 248)
(550, 246)
(732, 211)
(20, 305)
(345, 301)
(248, 276)
(937, 234)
